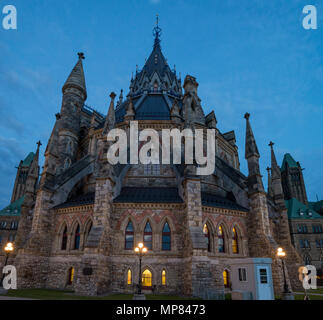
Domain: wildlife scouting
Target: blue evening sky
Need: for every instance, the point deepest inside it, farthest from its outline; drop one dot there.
(247, 55)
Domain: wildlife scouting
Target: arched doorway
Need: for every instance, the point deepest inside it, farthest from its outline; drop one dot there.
(146, 279)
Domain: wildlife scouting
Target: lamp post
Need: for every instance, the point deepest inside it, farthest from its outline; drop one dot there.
(281, 254)
(140, 250)
(8, 249)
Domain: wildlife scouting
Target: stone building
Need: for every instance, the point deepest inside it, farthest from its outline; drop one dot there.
(305, 218)
(88, 215)
(10, 215)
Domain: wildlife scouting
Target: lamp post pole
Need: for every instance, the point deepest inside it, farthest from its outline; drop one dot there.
(281, 254)
(140, 250)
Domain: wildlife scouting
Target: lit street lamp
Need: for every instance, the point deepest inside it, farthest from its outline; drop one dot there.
(281, 254)
(8, 249)
(140, 250)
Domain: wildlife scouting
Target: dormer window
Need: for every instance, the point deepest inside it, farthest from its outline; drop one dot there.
(301, 213)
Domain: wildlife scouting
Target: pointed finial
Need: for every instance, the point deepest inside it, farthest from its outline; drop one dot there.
(81, 55)
(39, 144)
(271, 144)
(112, 95)
(247, 116)
(268, 169)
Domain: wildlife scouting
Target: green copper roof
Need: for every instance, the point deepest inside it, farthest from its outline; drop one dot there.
(316, 205)
(13, 209)
(290, 161)
(298, 210)
(28, 160)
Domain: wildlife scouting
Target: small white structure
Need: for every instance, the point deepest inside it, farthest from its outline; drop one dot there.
(251, 279)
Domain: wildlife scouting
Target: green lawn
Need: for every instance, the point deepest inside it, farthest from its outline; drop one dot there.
(46, 294)
(312, 297)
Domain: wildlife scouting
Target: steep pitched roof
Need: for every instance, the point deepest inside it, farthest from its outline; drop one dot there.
(13, 209)
(289, 160)
(148, 195)
(212, 200)
(28, 160)
(298, 210)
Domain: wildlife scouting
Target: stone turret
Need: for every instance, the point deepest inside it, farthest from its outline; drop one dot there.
(74, 96)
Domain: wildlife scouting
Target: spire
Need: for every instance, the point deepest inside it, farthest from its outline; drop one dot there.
(157, 33)
(76, 78)
(121, 97)
(276, 182)
(275, 171)
(251, 146)
(111, 118)
(252, 155)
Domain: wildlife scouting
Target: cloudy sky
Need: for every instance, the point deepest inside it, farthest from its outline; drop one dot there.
(247, 55)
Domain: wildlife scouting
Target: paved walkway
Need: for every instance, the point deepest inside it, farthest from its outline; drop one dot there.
(14, 298)
(310, 293)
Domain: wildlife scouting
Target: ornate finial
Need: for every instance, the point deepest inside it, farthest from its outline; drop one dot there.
(157, 32)
(247, 116)
(39, 144)
(81, 55)
(271, 144)
(112, 95)
(268, 169)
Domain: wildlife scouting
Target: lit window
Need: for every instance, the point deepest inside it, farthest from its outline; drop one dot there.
(77, 238)
(226, 280)
(146, 278)
(64, 239)
(207, 236)
(220, 239)
(129, 277)
(70, 276)
(129, 236)
(166, 237)
(235, 248)
(148, 236)
(164, 277)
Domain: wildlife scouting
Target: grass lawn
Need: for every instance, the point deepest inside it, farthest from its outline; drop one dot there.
(312, 297)
(46, 294)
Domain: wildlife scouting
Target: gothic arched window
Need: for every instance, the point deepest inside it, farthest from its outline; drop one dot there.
(146, 279)
(87, 231)
(164, 277)
(70, 279)
(67, 163)
(221, 239)
(77, 237)
(166, 237)
(148, 236)
(129, 236)
(129, 277)
(64, 239)
(235, 247)
(207, 236)
(226, 279)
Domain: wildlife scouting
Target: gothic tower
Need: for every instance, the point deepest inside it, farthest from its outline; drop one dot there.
(293, 180)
